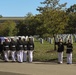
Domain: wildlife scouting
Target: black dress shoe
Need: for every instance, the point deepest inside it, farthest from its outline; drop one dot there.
(69, 63)
(5, 61)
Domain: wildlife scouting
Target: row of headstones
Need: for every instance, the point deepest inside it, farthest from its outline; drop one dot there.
(50, 40)
(64, 37)
(75, 37)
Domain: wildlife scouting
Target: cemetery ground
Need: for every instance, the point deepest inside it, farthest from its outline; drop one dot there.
(36, 68)
(45, 52)
(45, 63)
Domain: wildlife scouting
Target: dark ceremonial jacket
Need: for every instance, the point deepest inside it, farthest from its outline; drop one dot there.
(30, 45)
(1, 47)
(69, 48)
(25, 45)
(6, 45)
(13, 45)
(19, 45)
(60, 47)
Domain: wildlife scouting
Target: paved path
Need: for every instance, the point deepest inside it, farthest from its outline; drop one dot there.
(37, 68)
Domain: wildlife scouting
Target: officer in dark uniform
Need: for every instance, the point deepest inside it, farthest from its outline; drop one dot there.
(20, 50)
(60, 51)
(1, 47)
(30, 48)
(13, 49)
(6, 49)
(25, 46)
(69, 52)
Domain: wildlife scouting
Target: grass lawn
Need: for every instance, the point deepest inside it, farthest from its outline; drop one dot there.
(45, 52)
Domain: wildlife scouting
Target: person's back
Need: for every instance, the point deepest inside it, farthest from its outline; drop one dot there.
(20, 50)
(60, 46)
(12, 45)
(6, 45)
(69, 51)
(69, 47)
(1, 46)
(20, 44)
(30, 49)
(6, 49)
(13, 49)
(60, 51)
(25, 44)
(30, 45)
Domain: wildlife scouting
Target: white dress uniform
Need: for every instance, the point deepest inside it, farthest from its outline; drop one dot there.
(20, 50)
(13, 49)
(6, 49)
(69, 52)
(30, 49)
(60, 51)
(25, 46)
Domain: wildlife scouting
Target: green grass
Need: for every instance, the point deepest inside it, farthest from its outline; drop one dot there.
(45, 52)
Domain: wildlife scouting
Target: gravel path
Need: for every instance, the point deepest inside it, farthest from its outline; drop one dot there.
(36, 68)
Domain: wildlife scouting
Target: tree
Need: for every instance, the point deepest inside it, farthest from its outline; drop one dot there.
(71, 12)
(8, 28)
(54, 22)
(71, 27)
(71, 9)
(22, 28)
(29, 26)
(51, 5)
(29, 14)
(1, 16)
(54, 17)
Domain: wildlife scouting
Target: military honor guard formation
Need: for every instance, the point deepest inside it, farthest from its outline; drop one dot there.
(17, 49)
(22, 48)
(60, 51)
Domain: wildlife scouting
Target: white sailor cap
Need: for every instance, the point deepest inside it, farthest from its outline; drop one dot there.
(31, 38)
(12, 37)
(5, 38)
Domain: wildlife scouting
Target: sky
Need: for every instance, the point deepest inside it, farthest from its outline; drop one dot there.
(20, 8)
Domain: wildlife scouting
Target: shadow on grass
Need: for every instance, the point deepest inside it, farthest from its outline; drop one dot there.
(2, 61)
(50, 61)
(9, 73)
(51, 51)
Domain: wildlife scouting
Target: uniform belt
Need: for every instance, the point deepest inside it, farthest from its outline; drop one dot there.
(6, 46)
(13, 46)
(20, 45)
(25, 46)
(31, 46)
(69, 48)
